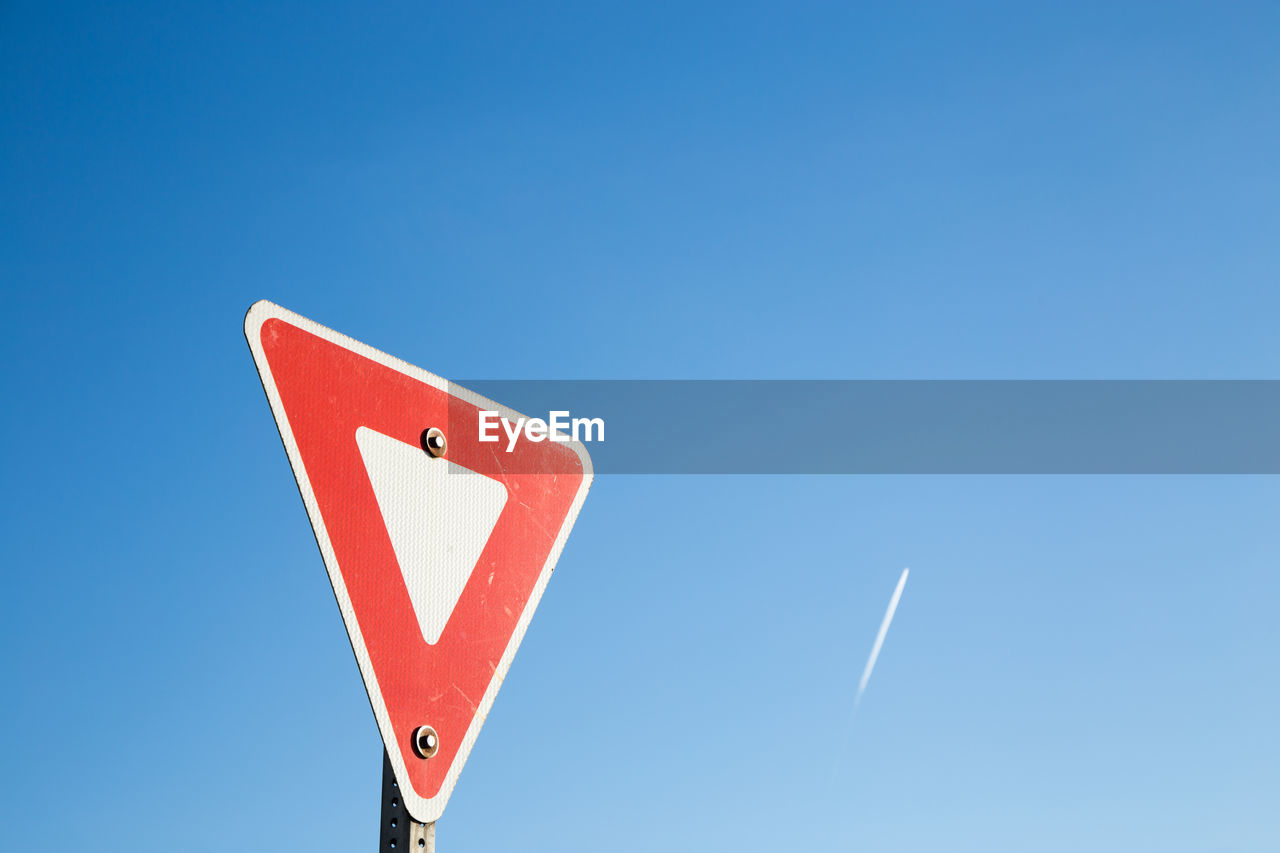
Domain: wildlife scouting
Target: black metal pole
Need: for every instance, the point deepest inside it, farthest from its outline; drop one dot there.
(400, 832)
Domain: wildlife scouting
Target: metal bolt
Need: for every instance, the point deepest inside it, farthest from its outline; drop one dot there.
(433, 442)
(425, 741)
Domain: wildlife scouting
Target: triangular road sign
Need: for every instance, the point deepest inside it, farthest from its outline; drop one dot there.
(437, 559)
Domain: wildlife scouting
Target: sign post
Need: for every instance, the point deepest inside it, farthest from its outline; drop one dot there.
(438, 546)
(399, 831)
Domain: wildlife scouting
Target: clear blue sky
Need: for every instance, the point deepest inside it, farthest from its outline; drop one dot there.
(736, 190)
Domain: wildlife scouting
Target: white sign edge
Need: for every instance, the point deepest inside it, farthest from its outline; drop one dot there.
(423, 809)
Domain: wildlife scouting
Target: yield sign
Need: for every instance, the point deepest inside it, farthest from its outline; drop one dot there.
(437, 560)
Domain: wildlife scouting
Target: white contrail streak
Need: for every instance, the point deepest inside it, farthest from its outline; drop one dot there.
(884, 629)
(838, 755)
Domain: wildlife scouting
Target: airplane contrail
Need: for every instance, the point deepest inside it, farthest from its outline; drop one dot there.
(838, 754)
(884, 629)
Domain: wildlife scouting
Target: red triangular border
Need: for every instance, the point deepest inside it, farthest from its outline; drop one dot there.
(322, 387)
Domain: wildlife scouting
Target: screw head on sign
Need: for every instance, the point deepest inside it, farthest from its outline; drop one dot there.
(425, 741)
(433, 442)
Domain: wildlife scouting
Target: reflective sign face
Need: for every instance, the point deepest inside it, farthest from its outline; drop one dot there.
(438, 547)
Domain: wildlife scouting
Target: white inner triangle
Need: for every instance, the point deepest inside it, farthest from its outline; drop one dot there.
(439, 516)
